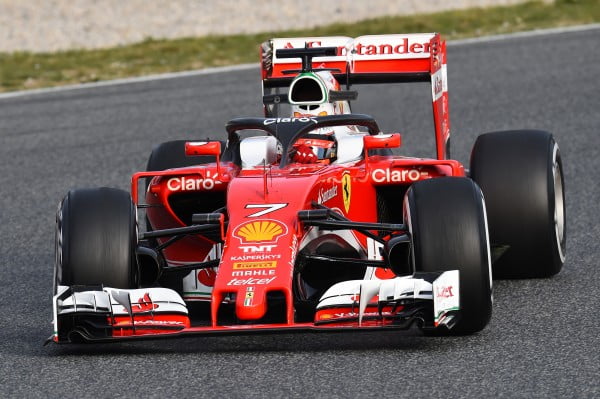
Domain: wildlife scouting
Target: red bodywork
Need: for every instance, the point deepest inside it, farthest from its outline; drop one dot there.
(259, 251)
(260, 233)
(263, 233)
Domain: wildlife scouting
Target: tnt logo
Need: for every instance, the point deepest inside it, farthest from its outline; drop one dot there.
(257, 248)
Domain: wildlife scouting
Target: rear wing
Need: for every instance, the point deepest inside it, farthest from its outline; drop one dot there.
(396, 58)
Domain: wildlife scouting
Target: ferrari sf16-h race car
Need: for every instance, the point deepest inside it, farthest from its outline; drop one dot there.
(308, 221)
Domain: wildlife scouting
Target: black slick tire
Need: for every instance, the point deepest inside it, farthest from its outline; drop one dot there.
(171, 154)
(520, 174)
(447, 222)
(96, 239)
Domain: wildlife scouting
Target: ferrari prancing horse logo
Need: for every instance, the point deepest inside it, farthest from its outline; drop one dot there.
(346, 190)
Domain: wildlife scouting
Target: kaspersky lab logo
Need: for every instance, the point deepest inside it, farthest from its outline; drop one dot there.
(263, 231)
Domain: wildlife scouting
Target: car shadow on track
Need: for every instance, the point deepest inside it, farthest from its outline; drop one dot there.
(294, 343)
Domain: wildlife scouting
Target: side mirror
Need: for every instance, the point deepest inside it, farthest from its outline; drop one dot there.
(391, 140)
(193, 148)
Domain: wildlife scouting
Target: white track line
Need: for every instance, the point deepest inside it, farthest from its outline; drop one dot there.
(116, 82)
(530, 33)
(243, 67)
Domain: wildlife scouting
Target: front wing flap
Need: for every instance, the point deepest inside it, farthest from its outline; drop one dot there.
(103, 312)
(432, 299)
(108, 314)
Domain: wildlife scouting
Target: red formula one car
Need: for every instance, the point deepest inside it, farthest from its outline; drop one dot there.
(307, 221)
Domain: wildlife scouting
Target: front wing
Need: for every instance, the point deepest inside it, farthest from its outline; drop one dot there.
(85, 314)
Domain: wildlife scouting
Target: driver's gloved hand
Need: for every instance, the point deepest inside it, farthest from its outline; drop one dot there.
(304, 154)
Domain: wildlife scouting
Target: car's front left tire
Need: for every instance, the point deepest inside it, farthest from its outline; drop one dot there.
(96, 237)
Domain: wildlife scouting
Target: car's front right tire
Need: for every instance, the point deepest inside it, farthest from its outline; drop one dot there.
(447, 223)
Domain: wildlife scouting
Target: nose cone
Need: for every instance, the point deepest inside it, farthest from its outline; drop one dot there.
(252, 303)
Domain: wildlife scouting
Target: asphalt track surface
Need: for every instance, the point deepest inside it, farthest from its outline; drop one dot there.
(543, 337)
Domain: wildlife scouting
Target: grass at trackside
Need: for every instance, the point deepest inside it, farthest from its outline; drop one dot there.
(23, 70)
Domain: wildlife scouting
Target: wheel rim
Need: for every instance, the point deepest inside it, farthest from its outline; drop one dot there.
(559, 206)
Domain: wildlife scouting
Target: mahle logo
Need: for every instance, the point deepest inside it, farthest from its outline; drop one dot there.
(267, 231)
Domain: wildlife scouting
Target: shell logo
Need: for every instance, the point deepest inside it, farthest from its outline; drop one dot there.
(260, 231)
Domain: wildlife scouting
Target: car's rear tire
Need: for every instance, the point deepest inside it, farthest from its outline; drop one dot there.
(171, 154)
(96, 236)
(447, 221)
(520, 174)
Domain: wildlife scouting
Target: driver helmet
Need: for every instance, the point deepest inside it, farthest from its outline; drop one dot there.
(309, 95)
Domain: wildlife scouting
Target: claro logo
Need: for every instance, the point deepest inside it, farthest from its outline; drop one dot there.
(303, 119)
(398, 176)
(192, 183)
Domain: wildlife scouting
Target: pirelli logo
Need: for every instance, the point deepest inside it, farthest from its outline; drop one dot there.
(254, 265)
